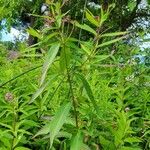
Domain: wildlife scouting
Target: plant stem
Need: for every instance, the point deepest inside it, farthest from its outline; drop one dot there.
(3, 84)
(71, 89)
(15, 118)
(80, 33)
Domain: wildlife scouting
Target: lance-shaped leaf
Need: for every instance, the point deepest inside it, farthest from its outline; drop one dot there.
(91, 18)
(21, 148)
(113, 34)
(53, 127)
(89, 92)
(34, 33)
(49, 60)
(86, 27)
(41, 89)
(110, 42)
(48, 37)
(77, 141)
(65, 58)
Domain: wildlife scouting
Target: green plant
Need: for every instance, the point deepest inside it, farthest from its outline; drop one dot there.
(76, 94)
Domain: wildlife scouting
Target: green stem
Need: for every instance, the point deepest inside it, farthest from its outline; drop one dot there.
(3, 84)
(73, 99)
(80, 33)
(71, 89)
(15, 117)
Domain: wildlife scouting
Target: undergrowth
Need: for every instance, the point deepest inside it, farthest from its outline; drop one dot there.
(77, 94)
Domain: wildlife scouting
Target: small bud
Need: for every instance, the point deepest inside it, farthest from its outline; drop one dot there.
(9, 97)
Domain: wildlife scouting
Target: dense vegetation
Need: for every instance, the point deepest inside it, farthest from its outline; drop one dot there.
(81, 85)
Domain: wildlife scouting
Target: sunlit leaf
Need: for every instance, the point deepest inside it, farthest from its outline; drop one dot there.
(34, 33)
(99, 58)
(65, 58)
(132, 4)
(110, 42)
(21, 148)
(48, 37)
(77, 141)
(130, 148)
(86, 27)
(91, 18)
(54, 126)
(132, 140)
(113, 34)
(86, 49)
(41, 89)
(49, 60)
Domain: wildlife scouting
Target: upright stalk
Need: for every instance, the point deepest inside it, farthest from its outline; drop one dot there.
(80, 33)
(15, 118)
(71, 88)
(73, 98)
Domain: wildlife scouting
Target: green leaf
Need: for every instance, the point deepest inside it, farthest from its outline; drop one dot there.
(89, 92)
(41, 89)
(3, 148)
(21, 148)
(5, 140)
(38, 92)
(106, 144)
(131, 4)
(72, 45)
(54, 126)
(77, 141)
(132, 140)
(130, 148)
(99, 58)
(86, 48)
(110, 42)
(113, 34)
(17, 140)
(64, 58)
(6, 126)
(34, 33)
(91, 18)
(85, 147)
(86, 27)
(48, 37)
(49, 60)
(59, 20)
(30, 124)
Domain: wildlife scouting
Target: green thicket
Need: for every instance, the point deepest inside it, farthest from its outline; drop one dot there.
(85, 90)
